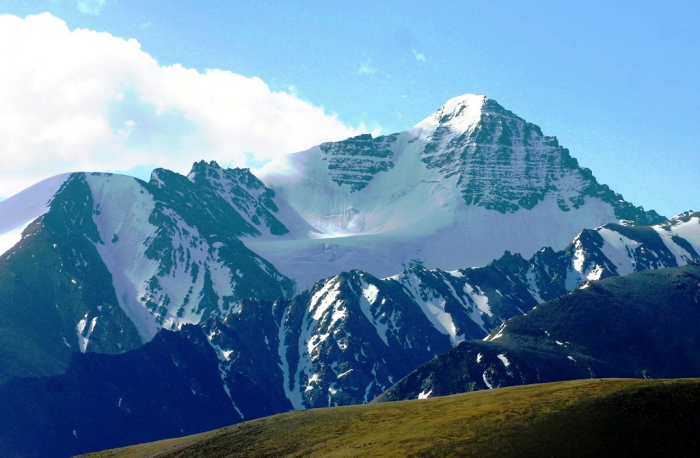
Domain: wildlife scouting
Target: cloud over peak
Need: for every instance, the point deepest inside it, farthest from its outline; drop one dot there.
(86, 100)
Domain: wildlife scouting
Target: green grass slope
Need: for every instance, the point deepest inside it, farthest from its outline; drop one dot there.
(599, 417)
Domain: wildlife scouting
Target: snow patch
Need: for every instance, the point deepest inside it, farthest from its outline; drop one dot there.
(324, 298)
(498, 335)
(228, 393)
(619, 250)
(85, 331)
(315, 378)
(486, 381)
(432, 305)
(689, 230)
(369, 297)
(479, 298)
(368, 388)
(532, 287)
(370, 293)
(288, 383)
(345, 373)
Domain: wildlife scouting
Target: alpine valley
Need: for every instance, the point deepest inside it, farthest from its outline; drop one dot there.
(132, 311)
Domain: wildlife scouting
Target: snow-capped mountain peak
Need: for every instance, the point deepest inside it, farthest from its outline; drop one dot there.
(460, 114)
(462, 186)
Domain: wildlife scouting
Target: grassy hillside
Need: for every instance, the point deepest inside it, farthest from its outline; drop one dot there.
(612, 417)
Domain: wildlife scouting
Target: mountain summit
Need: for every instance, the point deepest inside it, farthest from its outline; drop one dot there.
(505, 163)
(459, 188)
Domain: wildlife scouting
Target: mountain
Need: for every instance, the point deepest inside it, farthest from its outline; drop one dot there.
(118, 258)
(322, 281)
(100, 262)
(458, 189)
(640, 325)
(601, 417)
(352, 336)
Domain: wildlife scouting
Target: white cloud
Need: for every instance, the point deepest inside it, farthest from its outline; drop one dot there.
(83, 100)
(93, 7)
(419, 56)
(366, 67)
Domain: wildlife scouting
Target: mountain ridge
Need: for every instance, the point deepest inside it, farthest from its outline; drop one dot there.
(639, 325)
(352, 336)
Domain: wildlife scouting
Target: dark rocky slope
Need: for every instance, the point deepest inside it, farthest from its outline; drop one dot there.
(641, 325)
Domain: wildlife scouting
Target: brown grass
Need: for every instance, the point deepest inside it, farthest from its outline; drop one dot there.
(576, 418)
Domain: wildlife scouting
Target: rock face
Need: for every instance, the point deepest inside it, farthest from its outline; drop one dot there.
(458, 189)
(505, 163)
(501, 162)
(355, 161)
(244, 193)
(640, 325)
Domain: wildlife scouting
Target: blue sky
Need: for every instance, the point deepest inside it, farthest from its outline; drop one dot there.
(619, 86)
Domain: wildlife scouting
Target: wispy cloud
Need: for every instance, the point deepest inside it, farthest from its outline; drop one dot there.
(366, 67)
(87, 101)
(93, 7)
(419, 56)
(292, 89)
